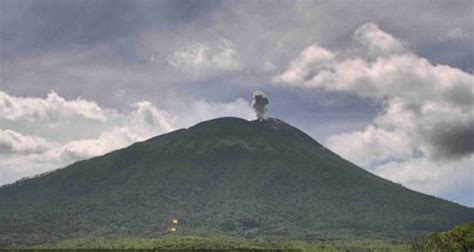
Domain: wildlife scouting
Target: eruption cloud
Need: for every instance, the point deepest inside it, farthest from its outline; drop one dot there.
(259, 103)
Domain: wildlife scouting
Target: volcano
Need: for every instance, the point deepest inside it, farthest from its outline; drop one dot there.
(224, 176)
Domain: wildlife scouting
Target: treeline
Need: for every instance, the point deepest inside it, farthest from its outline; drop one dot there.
(459, 238)
(28, 178)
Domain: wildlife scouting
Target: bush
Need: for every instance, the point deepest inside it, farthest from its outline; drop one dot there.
(459, 238)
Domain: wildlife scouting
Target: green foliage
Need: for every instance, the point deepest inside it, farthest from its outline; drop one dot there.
(226, 176)
(459, 238)
(220, 242)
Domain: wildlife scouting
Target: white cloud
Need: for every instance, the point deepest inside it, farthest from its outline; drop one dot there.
(25, 155)
(14, 142)
(51, 109)
(372, 145)
(406, 76)
(199, 58)
(311, 58)
(148, 115)
(432, 177)
(427, 109)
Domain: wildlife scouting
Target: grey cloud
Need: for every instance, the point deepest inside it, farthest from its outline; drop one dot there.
(452, 140)
(462, 95)
(53, 24)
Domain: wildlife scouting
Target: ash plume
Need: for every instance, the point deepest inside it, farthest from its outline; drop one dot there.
(259, 103)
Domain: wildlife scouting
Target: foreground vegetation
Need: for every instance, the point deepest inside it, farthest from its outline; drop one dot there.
(459, 238)
(226, 242)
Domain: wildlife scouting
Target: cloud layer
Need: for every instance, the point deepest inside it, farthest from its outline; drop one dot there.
(425, 129)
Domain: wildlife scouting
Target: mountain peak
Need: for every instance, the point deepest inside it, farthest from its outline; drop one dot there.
(234, 134)
(226, 126)
(275, 122)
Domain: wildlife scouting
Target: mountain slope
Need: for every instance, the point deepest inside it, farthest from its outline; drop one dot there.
(224, 176)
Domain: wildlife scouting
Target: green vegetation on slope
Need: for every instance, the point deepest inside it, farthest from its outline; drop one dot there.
(226, 176)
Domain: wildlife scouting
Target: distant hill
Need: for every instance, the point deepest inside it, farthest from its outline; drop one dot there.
(226, 176)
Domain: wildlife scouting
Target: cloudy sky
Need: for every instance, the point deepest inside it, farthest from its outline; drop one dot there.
(386, 84)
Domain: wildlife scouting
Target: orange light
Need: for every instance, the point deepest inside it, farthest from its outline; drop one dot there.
(175, 221)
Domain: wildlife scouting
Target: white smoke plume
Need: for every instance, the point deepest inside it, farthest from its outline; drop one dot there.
(259, 103)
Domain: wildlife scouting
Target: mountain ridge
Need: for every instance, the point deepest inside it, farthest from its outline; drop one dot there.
(226, 176)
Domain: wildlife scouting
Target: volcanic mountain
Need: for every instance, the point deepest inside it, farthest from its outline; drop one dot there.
(224, 176)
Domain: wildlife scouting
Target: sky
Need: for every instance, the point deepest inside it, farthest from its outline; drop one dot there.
(387, 85)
